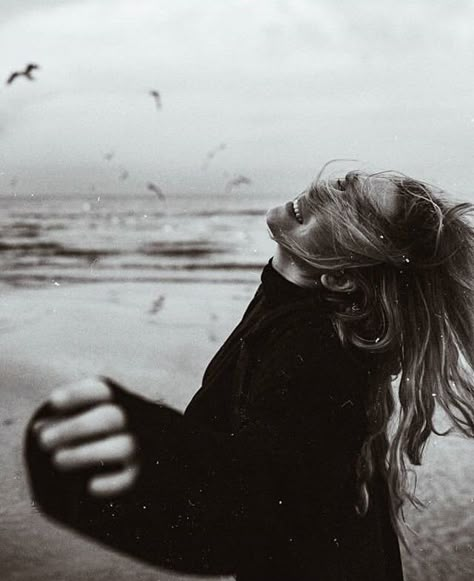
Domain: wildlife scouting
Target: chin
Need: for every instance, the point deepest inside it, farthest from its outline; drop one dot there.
(271, 218)
(270, 215)
(275, 223)
(276, 217)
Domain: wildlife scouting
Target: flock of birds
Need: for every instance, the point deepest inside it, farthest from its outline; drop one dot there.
(124, 174)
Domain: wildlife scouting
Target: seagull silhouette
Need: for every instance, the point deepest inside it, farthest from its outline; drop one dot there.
(157, 98)
(211, 154)
(237, 181)
(154, 188)
(157, 305)
(26, 73)
(109, 155)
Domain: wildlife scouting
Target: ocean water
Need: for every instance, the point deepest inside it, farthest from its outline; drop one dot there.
(54, 239)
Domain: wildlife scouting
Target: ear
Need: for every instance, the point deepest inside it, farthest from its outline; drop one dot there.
(338, 282)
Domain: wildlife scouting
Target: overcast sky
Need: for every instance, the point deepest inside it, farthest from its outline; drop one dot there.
(286, 85)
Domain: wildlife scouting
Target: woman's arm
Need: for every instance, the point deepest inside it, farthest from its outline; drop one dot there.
(199, 495)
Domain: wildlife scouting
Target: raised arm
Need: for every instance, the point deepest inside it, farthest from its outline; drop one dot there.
(200, 498)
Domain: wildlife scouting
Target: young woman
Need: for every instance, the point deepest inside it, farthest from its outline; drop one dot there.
(291, 461)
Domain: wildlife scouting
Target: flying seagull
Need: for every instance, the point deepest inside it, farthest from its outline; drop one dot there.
(157, 98)
(237, 181)
(154, 188)
(26, 73)
(109, 155)
(211, 154)
(157, 305)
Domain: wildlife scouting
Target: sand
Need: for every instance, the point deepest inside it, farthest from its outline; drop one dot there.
(156, 339)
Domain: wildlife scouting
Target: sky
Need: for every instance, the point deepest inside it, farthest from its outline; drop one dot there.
(286, 85)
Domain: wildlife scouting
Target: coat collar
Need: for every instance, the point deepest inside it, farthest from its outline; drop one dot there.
(279, 291)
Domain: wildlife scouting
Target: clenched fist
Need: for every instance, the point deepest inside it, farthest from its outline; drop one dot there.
(89, 430)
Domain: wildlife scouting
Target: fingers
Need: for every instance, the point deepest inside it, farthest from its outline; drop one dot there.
(88, 430)
(119, 449)
(113, 483)
(105, 419)
(80, 394)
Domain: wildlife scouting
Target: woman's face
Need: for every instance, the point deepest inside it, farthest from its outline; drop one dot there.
(298, 220)
(293, 221)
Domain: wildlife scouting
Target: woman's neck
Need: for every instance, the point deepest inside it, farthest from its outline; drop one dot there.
(294, 269)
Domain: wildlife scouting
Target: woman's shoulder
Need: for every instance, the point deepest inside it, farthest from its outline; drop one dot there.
(313, 331)
(296, 325)
(303, 359)
(302, 342)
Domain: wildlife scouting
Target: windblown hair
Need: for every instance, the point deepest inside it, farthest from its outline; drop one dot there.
(412, 312)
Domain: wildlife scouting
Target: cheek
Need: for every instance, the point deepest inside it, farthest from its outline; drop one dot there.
(307, 237)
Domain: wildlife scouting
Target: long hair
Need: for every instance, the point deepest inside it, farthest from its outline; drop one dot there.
(412, 312)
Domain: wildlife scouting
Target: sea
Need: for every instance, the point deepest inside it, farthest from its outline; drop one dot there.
(50, 239)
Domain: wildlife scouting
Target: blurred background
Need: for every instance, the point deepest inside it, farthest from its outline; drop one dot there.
(286, 85)
(140, 152)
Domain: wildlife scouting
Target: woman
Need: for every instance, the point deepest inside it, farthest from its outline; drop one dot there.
(287, 463)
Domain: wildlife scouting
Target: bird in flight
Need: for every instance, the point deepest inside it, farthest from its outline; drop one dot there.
(155, 189)
(26, 73)
(123, 174)
(211, 154)
(237, 181)
(157, 305)
(157, 98)
(109, 155)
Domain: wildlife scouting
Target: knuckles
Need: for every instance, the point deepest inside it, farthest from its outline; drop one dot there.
(89, 430)
(94, 437)
(89, 390)
(121, 448)
(100, 419)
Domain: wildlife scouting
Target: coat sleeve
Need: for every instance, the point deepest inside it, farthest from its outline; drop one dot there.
(202, 494)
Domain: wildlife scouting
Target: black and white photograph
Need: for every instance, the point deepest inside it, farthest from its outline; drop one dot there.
(237, 290)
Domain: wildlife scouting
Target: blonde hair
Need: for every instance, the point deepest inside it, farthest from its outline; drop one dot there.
(413, 311)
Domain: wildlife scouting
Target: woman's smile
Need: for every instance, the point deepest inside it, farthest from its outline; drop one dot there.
(294, 209)
(294, 220)
(297, 210)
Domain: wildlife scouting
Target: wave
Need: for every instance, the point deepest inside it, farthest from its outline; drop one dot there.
(244, 212)
(35, 279)
(54, 249)
(192, 266)
(137, 266)
(117, 214)
(22, 230)
(175, 249)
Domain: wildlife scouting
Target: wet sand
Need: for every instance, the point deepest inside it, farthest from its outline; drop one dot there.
(157, 339)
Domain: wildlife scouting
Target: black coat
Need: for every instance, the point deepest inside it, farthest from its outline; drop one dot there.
(257, 478)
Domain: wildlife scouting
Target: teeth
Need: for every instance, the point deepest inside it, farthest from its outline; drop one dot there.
(296, 210)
